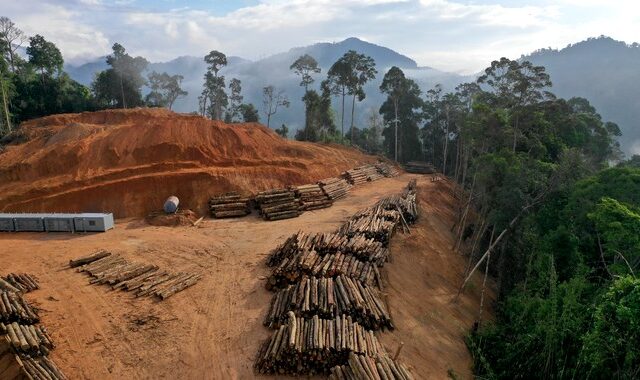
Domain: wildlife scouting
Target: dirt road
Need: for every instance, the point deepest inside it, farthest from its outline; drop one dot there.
(212, 330)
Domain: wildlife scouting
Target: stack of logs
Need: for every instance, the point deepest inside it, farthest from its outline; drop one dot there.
(329, 298)
(23, 283)
(381, 367)
(314, 345)
(419, 167)
(27, 339)
(229, 205)
(42, 368)
(323, 243)
(362, 174)
(13, 308)
(327, 309)
(334, 188)
(310, 263)
(143, 279)
(13, 366)
(387, 170)
(312, 197)
(278, 204)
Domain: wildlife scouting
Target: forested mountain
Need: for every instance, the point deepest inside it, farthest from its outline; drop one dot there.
(604, 71)
(274, 70)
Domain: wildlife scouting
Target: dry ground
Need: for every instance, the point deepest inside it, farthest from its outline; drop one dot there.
(212, 330)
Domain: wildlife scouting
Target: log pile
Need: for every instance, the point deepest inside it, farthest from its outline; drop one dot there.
(13, 308)
(329, 298)
(310, 263)
(278, 204)
(419, 167)
(229, 205)
(373, 223)
(323, 243)
(362, 174)
(42, 368)
(334, 188)
(312, 197)
(27, 339)
(387, 170)
(314, 345)
(22, 282)
(142, 279)
(381, 367)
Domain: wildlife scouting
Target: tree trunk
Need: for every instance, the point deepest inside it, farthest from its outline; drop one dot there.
(395, 122)
(5, 104)
(124, 104)
(446, 144)
(515, 134)
(353, 108)
(342, 118)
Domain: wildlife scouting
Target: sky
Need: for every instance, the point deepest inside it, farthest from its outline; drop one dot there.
(450, 35)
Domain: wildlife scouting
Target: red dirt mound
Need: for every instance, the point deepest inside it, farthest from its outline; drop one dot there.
(128, 162)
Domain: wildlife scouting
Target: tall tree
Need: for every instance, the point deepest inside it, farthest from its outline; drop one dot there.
(44, 56)
(272, 99)
(362, 69)
(337, 83)
(235, 101)
(304, 66)
(214, 85)
(120, 86)
(403, 110)
(165, 89)
(12, 38)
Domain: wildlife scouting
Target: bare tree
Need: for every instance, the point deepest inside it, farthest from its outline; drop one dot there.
(272, 100)
(12, 38)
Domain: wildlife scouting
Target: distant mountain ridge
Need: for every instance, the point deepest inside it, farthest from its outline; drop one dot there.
(603, 70)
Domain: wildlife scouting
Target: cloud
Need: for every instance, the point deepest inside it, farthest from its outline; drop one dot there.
(446, 34)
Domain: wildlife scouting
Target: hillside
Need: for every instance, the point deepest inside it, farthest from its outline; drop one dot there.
(604, 71)
(128, 161)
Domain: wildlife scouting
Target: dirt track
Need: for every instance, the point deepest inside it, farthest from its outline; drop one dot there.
(212, 330)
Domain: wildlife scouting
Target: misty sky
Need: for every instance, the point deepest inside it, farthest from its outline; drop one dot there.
(461, 36)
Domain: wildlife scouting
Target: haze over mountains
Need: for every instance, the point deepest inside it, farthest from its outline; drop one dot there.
(605, 71)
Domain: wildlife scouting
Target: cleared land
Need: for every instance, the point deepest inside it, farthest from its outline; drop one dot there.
(212, 330)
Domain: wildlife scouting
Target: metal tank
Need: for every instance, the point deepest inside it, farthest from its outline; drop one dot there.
(171, 204)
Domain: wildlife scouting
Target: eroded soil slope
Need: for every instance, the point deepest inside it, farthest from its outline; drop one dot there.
(128, 161)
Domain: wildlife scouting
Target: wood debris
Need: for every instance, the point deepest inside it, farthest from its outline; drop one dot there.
(142, 279)
(229, 205)
(387, 170)
(23, 282)
(27, 339)
(14, 308)
(278, 204)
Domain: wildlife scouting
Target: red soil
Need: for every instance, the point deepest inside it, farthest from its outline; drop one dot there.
(129, 161)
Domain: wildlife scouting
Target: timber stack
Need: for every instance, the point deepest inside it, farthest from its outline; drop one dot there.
(229, 205)
(142, 279)
(419, 167)
(278, 204)
(14, 308)
(370, 368)
(323, 243)
(329, 298)
(334, 188)
(310, 263)
(387, 170)
(23, 282)
(27, 339)
(312, 346)
(312, 197)
(362, 174)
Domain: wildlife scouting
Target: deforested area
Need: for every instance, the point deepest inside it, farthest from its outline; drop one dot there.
(345, 190)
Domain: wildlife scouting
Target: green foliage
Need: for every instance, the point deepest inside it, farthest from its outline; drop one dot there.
(611, 348)
(249, 113)
(214, 99)
(44, 56)
(165, 89)
(318, 117)
(283, 131)
(120, 86)
(304, 66)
